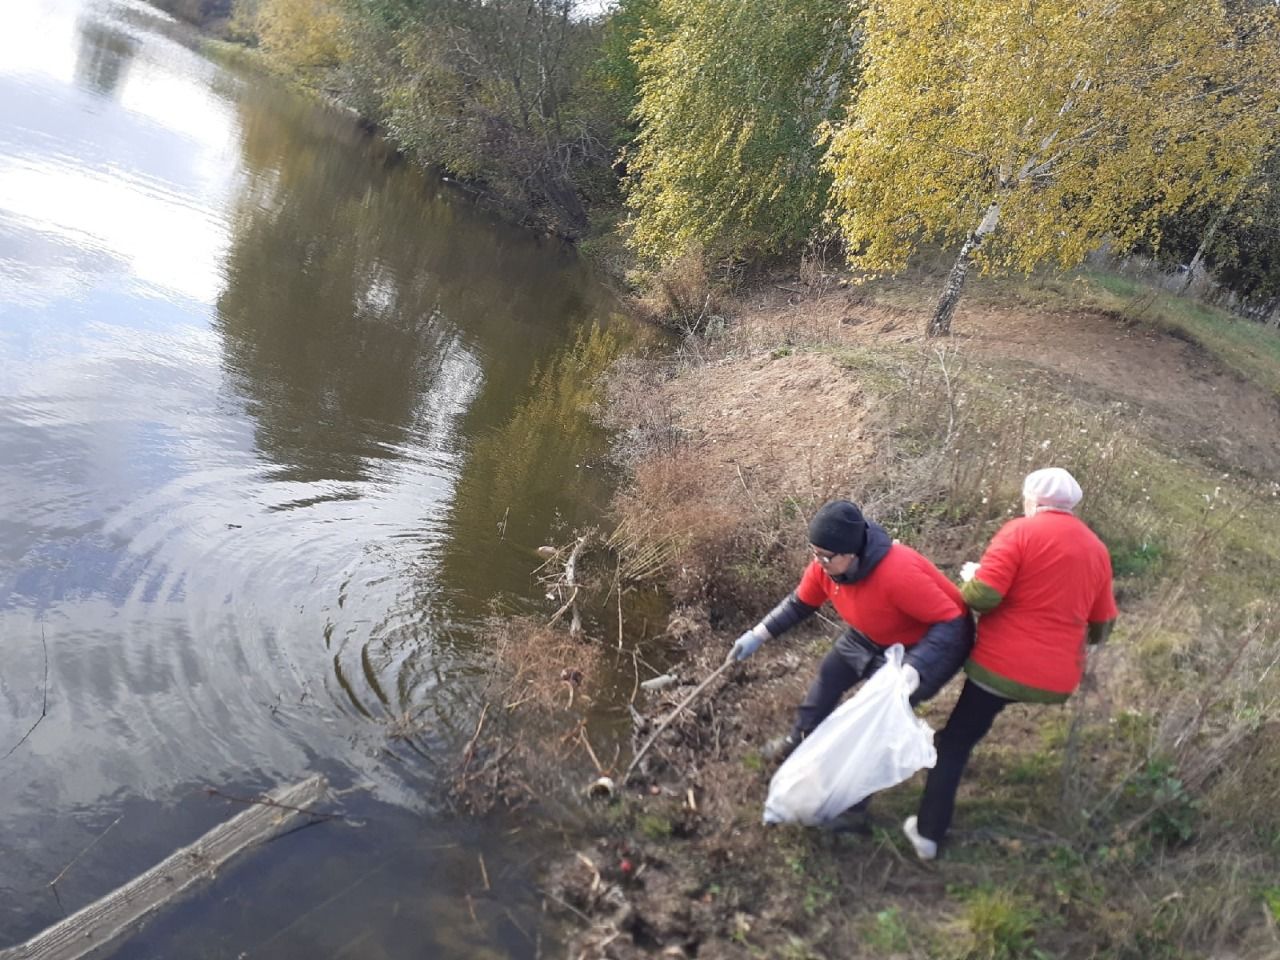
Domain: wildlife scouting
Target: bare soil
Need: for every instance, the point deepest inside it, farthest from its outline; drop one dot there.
(1181, 390)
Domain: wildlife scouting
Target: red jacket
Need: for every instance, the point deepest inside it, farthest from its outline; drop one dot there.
(1054, 577)
(897, 602)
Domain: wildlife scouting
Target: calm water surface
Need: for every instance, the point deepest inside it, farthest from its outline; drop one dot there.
(279, 418)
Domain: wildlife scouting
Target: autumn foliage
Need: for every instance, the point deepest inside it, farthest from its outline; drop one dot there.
(1046, 128)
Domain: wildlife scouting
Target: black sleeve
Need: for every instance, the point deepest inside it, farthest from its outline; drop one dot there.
(940, 653)
(787, 614)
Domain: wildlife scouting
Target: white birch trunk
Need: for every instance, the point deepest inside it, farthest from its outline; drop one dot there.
(940, 324)
(1193, 268)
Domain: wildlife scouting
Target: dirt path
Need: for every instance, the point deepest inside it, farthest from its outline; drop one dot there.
(1188, 397)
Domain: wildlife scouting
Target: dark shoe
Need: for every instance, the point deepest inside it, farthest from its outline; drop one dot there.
(779, 748)
(856, 819)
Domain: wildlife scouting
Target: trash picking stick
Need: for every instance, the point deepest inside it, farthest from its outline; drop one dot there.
(671, 716)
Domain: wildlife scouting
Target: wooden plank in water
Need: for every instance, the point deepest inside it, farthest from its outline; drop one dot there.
(103, 921)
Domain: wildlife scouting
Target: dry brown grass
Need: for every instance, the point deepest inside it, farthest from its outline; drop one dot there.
(680, 296)
(541, 666)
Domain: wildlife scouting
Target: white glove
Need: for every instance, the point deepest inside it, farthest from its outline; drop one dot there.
(748, 643)
(969, 570)
(912, 676)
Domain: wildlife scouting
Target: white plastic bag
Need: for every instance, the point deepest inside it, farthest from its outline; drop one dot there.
(871, 742)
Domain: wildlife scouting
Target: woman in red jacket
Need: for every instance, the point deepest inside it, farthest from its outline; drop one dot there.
(886, 593)
(1043, 584)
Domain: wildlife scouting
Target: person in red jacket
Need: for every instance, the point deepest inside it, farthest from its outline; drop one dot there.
(886, 593)
(1042, 587)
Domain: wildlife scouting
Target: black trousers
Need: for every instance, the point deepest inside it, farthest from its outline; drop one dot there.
(969, 722)
(835, 676)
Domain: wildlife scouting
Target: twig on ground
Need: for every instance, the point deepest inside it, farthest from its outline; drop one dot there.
(586, 742)
(595, 871)
(568, 906)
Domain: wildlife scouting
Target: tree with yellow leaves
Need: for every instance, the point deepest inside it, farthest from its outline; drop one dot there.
(1033, 130)
(731, 96)
(305, 35)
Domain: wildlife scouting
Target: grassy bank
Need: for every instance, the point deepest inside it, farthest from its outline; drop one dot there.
(1135, 821)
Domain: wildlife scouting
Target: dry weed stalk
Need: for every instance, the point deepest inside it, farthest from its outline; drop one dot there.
(642, 551)
(951, 447)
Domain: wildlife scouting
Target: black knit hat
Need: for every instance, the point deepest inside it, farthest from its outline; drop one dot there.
(838, 526)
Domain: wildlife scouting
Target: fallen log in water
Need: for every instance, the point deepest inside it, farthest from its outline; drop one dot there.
(103, 921)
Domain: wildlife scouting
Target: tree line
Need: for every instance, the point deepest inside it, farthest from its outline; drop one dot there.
(1012, 132)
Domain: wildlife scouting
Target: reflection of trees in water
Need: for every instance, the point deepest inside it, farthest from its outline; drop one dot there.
(542, 453)
(354, 293)
(363, 311)
(540, 474)
(103, 56)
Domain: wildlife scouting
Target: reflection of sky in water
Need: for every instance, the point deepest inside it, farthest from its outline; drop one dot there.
(186, 581)
(132, 173)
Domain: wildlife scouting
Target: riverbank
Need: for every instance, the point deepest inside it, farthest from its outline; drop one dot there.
(1136, 821)
(1133, 821)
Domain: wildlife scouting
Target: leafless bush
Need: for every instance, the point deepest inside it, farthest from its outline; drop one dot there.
(680, 296)
(530, 739)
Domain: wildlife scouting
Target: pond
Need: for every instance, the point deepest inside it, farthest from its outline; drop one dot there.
(282, 417)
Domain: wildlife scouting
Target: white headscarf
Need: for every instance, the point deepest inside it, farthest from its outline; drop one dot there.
(1052, 487)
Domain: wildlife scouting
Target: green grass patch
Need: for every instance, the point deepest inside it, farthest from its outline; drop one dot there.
(886, 932)
(1271, 898)
(996, 924)
(655, 826)
(1034, 768)
(1137, 560)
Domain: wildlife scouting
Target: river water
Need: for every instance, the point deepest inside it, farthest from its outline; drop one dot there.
(281, 416)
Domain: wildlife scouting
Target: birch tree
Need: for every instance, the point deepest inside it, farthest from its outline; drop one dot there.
(1239, 244)
(732, 93)
(1032, 130)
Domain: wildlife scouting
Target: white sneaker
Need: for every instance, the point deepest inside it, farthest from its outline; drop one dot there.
(926, 849)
